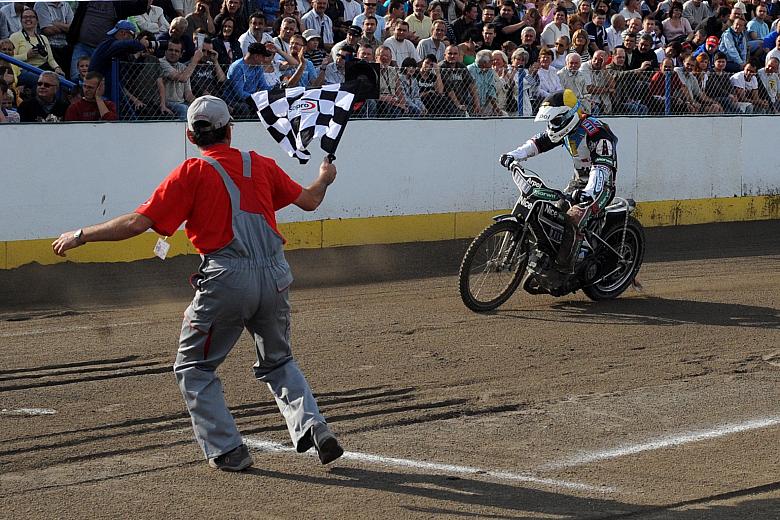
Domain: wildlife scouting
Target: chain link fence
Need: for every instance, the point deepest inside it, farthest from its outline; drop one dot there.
(452, 92)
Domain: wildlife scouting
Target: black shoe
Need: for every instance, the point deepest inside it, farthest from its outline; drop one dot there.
(328, 448)
(237, 459)
(305, 443)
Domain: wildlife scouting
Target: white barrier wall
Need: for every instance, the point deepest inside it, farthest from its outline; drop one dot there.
(64, 176)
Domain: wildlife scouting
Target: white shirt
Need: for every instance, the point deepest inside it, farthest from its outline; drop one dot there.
(551, 32)
(185, 6)
(549, 82)
(428, 46)
(322, 24)
(625, 13)
(614, 38)
(771, 83)
(774, 53)
(153, 21)
(401, 50)
(248, 38)
(352, 8)
(738, 81)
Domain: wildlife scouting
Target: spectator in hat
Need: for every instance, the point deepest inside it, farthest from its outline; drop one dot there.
(245, 77)
(335, 72)
(399, 45)
(120, 44)
(314, 52)
(708, 49)
(352, 39)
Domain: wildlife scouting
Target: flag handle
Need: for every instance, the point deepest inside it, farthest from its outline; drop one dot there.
(331, 157)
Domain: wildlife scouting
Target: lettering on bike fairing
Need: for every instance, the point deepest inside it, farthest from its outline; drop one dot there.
(541, 193)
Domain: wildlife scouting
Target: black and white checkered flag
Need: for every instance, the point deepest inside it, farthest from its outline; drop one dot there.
(295, 116)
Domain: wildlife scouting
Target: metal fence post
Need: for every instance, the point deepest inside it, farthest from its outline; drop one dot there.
(520, 80)
(115, 81)
(668, 93)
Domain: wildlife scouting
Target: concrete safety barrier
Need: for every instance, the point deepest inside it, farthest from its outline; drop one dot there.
(398, 181)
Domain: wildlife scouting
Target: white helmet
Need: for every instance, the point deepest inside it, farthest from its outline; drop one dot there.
(562, 113)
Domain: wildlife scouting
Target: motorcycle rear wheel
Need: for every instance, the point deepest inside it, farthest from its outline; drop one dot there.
(633, 251)
(493, 266)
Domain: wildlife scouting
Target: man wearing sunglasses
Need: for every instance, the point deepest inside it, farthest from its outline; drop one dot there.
(45, 106)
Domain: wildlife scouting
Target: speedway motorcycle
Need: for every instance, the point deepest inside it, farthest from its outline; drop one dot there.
(521, 247)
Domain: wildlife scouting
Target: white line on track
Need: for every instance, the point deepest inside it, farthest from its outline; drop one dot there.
(28, 411)
(77, 328)
(665, 442)
(268, 446)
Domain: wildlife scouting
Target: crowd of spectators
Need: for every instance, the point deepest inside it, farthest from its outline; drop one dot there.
(149, 59)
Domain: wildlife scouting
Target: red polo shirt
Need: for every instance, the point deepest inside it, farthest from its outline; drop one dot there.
(194, 192)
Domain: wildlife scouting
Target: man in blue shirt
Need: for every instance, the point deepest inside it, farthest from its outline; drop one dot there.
(246, 76)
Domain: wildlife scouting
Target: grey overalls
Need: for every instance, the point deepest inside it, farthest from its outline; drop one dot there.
(243, 285)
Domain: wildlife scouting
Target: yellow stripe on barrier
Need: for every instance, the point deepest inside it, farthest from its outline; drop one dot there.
(390, 230)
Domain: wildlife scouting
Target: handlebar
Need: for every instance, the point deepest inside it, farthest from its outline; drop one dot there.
(517, 165)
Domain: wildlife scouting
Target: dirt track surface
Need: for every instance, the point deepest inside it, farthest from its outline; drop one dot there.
(663, 404)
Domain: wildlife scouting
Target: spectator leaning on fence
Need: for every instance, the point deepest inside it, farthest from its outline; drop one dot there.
(91, 106)
(769, 84)
(142, 82)
(120, 43)
(599, 84)
(571, 78)
(46, 106)
(176, 79)
(246, 76)
(208, 77)
(718, 85)
(458, 83)
(688, 75)
(746, 90)
(391, 102)
(485, 84)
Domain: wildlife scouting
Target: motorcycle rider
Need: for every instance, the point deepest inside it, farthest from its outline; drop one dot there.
(593, 148)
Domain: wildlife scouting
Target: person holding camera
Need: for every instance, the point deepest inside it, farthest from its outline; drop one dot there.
(208, 76)
(33, 48)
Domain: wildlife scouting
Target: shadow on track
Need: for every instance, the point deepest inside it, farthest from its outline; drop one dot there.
(651, 310)
(521, 502)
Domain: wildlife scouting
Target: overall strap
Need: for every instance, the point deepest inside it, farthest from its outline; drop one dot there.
(233, 191)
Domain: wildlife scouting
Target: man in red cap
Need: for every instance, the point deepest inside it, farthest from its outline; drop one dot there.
(709, 48)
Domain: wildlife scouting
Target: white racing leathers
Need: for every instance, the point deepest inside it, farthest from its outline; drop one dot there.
(593, 148)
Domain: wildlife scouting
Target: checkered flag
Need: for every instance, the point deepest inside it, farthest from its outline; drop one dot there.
(295, 116)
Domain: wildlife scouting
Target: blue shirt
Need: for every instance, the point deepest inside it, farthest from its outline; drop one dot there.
(246, 79)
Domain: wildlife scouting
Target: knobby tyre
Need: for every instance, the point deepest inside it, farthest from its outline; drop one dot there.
(633, 251)
(493, 266)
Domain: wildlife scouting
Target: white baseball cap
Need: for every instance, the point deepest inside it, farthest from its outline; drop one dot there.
(209, 109)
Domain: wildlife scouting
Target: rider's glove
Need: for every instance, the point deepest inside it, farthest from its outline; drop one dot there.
(507, 161)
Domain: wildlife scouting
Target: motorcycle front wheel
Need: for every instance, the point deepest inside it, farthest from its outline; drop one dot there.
(493, 266)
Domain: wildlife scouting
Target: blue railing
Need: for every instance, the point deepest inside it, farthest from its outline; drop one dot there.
(65, 83)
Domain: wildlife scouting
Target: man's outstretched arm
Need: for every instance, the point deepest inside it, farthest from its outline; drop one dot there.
(119, 228)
